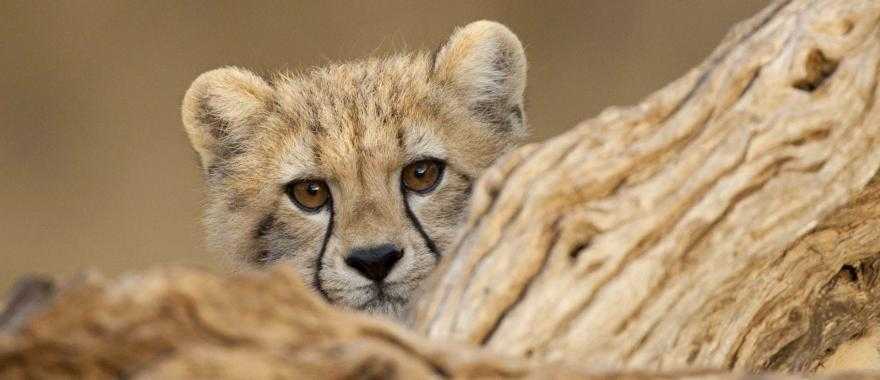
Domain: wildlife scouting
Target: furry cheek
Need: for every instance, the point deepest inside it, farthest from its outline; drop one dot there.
(288, 236)
(442, 212)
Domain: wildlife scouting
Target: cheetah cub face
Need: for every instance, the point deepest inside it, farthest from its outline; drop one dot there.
(357, 175)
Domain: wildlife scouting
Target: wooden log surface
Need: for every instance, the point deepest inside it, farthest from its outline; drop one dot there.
(697, 228)
(728, 222)
(188, 324)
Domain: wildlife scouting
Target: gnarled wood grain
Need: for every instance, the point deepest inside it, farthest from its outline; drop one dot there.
(697, 228)
(188, 324)
(174, 323)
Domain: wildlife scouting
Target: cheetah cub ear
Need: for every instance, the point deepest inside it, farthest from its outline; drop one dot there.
(485, 62)
(219, 110)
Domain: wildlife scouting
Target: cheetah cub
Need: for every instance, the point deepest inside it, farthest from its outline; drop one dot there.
(358, 174)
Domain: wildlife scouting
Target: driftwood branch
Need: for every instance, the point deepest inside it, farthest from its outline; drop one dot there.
(729, 221)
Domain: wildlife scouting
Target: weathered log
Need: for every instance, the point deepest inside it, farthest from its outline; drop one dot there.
(729, 221)
(175, 323)
(697, 228)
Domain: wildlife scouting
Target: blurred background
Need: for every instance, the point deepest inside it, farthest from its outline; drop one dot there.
(96, 172)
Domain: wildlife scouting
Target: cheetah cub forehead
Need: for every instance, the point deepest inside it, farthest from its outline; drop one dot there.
(358, 174)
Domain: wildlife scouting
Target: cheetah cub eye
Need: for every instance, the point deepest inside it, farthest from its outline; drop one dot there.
(422, 176)
(308, 195)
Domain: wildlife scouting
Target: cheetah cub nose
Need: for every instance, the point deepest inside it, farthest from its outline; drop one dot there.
(374, 263)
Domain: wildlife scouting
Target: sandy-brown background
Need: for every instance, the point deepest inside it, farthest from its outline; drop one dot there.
(95, 171)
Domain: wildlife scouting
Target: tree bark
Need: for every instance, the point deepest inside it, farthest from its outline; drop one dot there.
(697, 228)
(729, 221)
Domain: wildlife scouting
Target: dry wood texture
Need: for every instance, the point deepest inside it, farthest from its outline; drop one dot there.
(697, 228)
(729, 221)
(189, 324)
(185, 324)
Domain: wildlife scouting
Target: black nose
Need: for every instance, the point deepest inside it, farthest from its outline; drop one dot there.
(374, 262)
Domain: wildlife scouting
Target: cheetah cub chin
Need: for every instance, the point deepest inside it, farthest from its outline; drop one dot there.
(358, 174)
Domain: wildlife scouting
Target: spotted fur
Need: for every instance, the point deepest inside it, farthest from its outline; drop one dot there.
(355, 126)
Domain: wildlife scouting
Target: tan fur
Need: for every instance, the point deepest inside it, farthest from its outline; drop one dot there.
(355, 126)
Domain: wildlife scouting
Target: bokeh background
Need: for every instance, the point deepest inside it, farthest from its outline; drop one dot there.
(96, 172)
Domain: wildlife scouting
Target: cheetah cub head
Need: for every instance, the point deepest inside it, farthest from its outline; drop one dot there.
(358, 174)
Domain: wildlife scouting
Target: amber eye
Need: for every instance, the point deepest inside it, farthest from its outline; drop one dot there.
(309, 195)
(422, 176)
